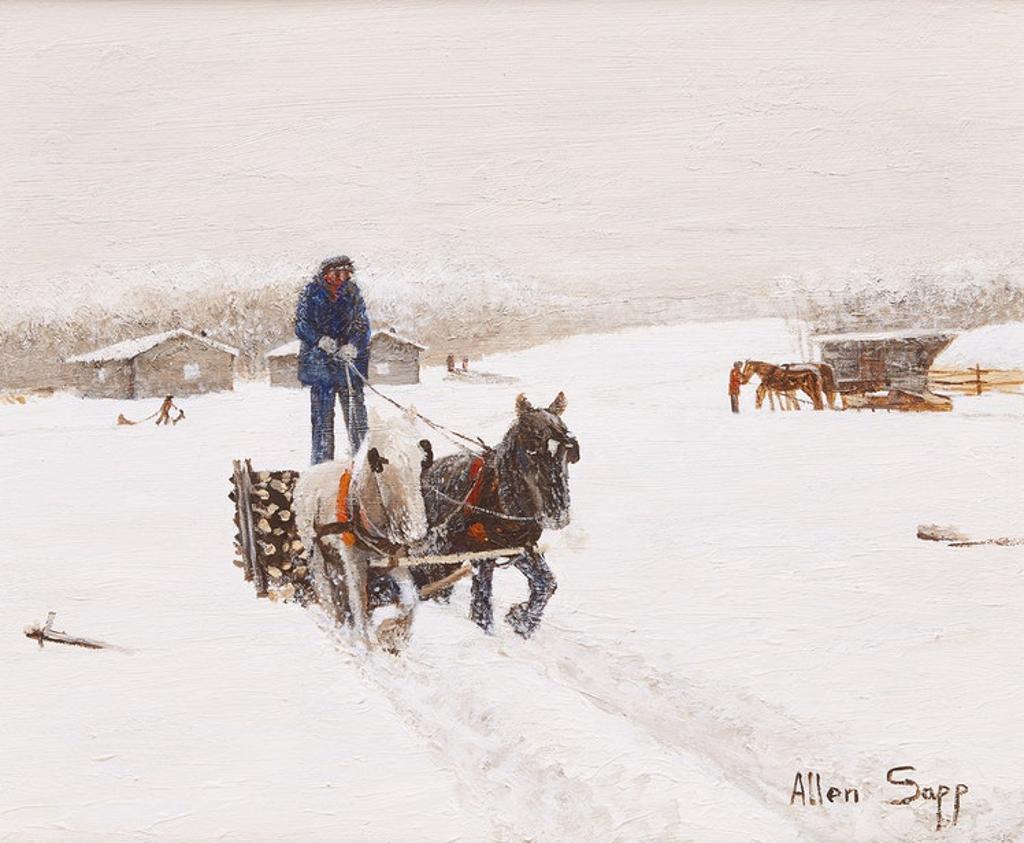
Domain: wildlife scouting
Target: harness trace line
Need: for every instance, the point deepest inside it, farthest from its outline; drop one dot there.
(465, 505)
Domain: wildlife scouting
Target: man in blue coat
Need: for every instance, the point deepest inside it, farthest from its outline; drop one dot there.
(332, 323)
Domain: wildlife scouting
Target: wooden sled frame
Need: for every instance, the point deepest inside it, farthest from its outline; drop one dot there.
(340, 586)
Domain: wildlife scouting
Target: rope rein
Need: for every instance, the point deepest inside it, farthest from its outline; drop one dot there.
(447, 432)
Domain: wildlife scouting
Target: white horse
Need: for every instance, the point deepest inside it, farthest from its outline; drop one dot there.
(371, 507)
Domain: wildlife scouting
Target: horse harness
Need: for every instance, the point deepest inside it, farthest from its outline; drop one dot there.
(353, 525)
(491, 528)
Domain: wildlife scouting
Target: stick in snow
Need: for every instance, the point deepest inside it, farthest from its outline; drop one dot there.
(1002, 542)
(46, 632)
(954, 538)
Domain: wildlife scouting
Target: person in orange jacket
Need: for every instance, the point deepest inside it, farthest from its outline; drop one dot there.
(735, 379)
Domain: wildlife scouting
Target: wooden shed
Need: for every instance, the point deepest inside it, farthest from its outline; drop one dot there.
(283, 364)
(895, 363)
(394, 359)
(172, 363)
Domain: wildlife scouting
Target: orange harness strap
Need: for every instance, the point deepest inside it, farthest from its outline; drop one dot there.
(477, 532)
(341, 507)
(476, 474)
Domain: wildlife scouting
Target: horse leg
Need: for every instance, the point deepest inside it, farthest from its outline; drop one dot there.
(813, 394)
(524, 618)
(355, 587)
(759, 397)
(328, 595)
(394, 633)
(481, 609)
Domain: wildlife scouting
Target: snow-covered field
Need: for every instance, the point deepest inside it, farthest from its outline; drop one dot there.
(740, 598)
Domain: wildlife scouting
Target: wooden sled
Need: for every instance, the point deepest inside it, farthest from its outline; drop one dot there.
(272, 557)
(897, 399)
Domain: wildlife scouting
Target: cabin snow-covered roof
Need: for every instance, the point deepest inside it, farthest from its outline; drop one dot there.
(291, 349)
(399, 338)
(130, 349)
(882, 336)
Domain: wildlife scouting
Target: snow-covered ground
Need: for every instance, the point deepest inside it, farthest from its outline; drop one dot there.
(740, 598)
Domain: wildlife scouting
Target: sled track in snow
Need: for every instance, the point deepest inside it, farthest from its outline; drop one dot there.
(732, 735)
(752, 745)
(535, 785)
(681, 715)
(520, 786)
(522, 781)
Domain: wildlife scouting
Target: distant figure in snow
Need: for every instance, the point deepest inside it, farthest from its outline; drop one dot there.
(451, 362)
(735, 379)
(334, 357)
(465, 364)
(164, 413)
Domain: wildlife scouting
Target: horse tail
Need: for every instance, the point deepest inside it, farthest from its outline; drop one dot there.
(828, 383)
(819, 400)
(828, 377)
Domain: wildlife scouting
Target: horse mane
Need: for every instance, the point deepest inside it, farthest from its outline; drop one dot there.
(506, 469)
(394, 437)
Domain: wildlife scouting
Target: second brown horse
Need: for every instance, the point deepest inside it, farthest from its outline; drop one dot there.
(815, 380)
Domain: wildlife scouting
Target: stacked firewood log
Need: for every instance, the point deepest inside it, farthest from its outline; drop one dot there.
(278, 552)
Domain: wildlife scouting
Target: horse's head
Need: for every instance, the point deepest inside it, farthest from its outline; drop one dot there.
(386, 479)
(534, 462)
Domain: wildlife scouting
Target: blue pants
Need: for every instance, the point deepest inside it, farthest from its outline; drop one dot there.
(321, 411)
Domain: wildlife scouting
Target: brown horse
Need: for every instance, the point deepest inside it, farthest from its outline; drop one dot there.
(826, 376)
(787, 380)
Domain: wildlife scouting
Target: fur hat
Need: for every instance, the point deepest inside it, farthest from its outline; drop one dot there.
(340, 262)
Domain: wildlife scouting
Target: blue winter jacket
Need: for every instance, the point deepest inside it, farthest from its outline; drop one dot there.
(344, 320)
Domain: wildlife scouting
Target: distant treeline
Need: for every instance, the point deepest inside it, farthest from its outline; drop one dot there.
(877, 304)
(253, 320)
(480, 315)
(471, 317)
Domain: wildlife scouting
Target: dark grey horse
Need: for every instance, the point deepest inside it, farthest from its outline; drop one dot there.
(505, 498)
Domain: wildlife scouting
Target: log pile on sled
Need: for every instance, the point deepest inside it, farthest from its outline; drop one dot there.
(273, 559)
(357, 539)
(267, 546)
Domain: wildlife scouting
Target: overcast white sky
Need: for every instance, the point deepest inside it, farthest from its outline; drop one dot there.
(670, 145)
